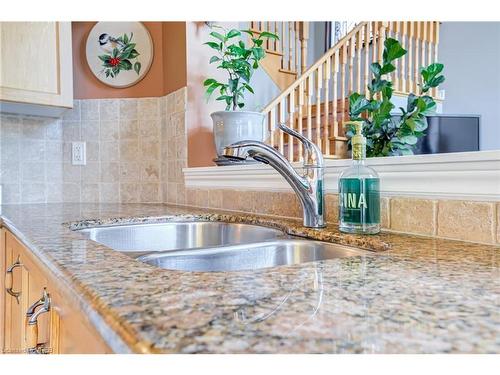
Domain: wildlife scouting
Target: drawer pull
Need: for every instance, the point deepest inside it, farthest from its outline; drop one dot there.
(32, 315)
(9, 280)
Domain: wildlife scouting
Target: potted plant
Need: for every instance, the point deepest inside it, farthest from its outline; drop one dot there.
(385, 135)
(239, 60)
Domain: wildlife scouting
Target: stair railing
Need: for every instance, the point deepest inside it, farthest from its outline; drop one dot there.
(316, 104)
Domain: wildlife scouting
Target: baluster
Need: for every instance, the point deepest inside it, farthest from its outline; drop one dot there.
(402, 72)
(423, 35)
(309, 107)
(300, 116)
(375, 32)
(326, 107)
(275, 31)
(430, 42)
(304, 38)
(290, 45)
(381, 39)
(416, 64)
(343, 59)
(281, 121)
(395, 35)
(296, 46)
(335, 70)
(319, 85)
(410, 57)
(272, 125)
(350, 83)
(291, 119)
(436, 43)
(359, 35)
(283, 44)
(367, 57)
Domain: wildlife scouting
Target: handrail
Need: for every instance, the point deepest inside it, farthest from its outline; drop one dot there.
(313, 67)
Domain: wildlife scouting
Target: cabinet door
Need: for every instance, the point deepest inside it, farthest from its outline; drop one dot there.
(35, 291)
(71, 332)
(36, 63)
(13, 297)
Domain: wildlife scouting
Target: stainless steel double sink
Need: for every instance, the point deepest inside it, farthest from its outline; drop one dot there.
(213, 246)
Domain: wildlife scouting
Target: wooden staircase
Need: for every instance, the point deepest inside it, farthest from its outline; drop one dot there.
(285, 58)
(316, 102)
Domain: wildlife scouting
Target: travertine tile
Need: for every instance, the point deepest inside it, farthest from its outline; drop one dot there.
(128, 109)
(129, 150)
(32, 171)
(54, 192)
(91, 173)
(109, 151)
(11, 193)
(110, 172)
(93, 151)
(89, 110)
(215, 198)
(71, 131)
(71, 173)
(498, 222)
(148, 108)
(181, 193)
(150, 171)
(149, 127)
(385, 212)
(71, 192)
(109, 192)
(32, 150)
(90, 131)
(413, 215)
(33, 192)
(150, 193)
(130, 172)
(149, 148)
(109, 130)
(129, 129)
(33, 128)
(201, 198)
(332, 208)
(470, 221)
(109, 110)
(11, 171)
(129, 192)
(90, 193)
(54, 151)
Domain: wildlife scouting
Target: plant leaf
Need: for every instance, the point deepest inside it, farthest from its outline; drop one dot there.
(137, 67)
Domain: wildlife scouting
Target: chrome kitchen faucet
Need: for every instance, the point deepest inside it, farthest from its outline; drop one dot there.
(308, 186)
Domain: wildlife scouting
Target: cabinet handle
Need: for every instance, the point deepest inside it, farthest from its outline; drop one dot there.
(9, 279)
(32, 322)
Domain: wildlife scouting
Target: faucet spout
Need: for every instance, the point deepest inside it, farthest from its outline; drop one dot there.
(308, 186)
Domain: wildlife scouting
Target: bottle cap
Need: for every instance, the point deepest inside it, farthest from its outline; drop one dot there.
(358, 141)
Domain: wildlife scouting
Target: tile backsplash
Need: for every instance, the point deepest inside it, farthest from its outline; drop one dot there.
(136, 149)
(456, 219)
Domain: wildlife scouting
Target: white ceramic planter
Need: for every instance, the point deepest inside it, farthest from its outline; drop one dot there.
(234, 126)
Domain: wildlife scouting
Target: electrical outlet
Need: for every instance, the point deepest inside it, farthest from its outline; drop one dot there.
(78, 154)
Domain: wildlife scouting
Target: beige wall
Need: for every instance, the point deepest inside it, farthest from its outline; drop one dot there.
(167, 72)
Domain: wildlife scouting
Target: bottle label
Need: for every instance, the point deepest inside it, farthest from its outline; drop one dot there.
(359, 200)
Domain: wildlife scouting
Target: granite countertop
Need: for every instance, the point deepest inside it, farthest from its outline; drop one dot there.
(413, 295)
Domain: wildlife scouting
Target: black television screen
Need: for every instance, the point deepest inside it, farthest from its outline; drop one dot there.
(450, 133)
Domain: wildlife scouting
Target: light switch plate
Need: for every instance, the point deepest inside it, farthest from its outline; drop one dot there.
(78, 153)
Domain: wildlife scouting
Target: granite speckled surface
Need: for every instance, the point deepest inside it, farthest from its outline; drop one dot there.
(414, 295)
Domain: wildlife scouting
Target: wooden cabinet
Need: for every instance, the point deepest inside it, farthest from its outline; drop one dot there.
(36, 67)
(39, 315)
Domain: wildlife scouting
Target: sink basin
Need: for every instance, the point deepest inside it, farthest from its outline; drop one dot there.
(250, 256)
(139, 239)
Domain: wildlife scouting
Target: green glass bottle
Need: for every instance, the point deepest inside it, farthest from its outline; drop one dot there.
(359, 191)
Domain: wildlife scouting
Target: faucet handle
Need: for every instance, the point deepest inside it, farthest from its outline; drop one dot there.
(313, 155)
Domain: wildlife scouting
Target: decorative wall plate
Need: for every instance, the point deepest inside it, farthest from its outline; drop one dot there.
(119, 54)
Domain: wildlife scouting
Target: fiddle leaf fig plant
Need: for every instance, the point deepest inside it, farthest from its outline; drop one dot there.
(385, 135)
(239, 60)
